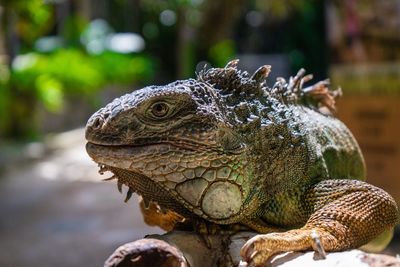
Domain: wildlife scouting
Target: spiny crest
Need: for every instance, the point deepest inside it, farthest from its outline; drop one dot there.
(318, 95)
(230, 80)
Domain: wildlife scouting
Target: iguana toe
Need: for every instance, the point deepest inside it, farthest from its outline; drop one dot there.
(256, 251)
(259, 249)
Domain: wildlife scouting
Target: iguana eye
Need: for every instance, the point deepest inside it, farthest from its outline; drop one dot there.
(160, 109)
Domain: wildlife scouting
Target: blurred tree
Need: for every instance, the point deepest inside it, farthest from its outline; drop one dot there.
(280, 10)
(202, 30)
(292, 28)
(21, 21)
(188, 29)
(217, 21)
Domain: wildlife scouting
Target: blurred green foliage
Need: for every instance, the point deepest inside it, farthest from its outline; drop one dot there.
(47, 77)
(34, 17)
(71, 71)
(222, 52)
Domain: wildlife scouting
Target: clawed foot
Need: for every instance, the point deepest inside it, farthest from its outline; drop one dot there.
(258, 250)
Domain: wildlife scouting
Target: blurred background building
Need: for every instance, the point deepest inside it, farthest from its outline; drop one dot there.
(60, 60)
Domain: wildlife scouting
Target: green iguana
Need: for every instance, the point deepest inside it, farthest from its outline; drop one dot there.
(228, 150)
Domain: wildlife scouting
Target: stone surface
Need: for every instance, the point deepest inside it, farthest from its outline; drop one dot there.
(225, 251)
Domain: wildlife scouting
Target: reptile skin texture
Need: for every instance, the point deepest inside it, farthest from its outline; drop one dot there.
(225, 152)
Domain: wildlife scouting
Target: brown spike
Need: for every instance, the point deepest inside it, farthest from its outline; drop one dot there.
(232, 64)
(301, 73)
(294, 81)
(129, 194)
(320, 93)
(119, 186)
(261, 73)
(305, 79)
(281, 80)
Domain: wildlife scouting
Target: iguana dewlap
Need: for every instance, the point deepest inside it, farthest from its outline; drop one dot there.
(227, 149)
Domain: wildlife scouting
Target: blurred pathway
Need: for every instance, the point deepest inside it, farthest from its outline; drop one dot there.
(56, 212)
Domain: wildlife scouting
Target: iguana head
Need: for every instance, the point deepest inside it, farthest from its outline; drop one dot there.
(187, 145)
(177, 138)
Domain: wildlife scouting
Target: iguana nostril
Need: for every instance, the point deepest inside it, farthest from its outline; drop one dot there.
(97, 123)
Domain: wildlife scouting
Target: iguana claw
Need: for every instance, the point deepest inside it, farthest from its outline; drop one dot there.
(317, 244)
(259, 249)
(254, 251)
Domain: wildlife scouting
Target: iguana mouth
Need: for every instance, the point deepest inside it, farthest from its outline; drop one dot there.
(123, 156)
(178, 141)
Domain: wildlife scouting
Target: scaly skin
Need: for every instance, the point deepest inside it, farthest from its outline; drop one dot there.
(227, 150)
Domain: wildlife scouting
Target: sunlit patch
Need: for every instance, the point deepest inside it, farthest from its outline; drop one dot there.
(48, 170)
(68, 162)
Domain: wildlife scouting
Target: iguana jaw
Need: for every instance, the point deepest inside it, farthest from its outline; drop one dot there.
(138, 158)
(127, 163)
(207, 182)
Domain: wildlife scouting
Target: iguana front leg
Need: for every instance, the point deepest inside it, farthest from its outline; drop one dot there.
(346, 214)
(154, 216)
(169, 220)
